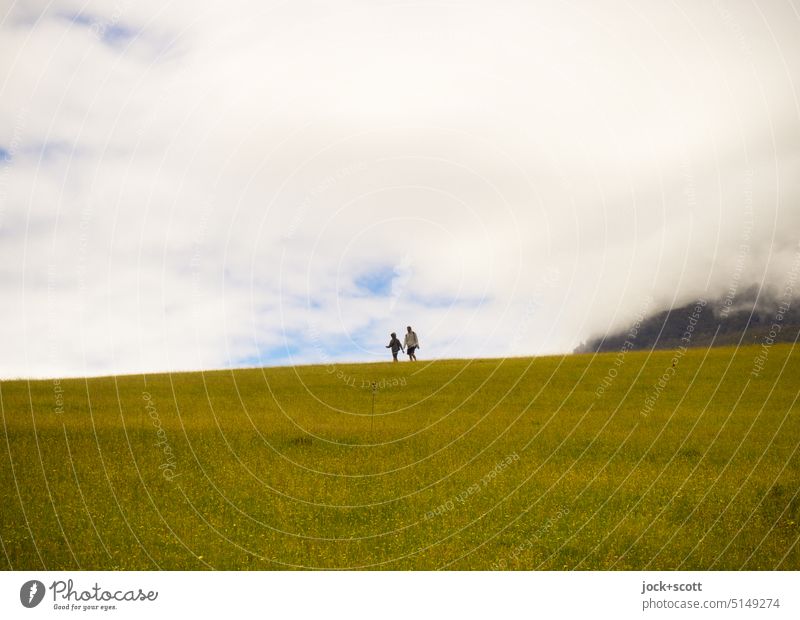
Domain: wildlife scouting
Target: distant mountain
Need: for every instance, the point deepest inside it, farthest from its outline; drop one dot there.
(707, 323)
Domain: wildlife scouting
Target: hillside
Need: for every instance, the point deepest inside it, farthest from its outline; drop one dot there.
(523, 463)
(747, 323)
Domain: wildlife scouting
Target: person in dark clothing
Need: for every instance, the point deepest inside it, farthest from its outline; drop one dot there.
(395, 345)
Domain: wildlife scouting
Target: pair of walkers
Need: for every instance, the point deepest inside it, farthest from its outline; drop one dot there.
(410, 346)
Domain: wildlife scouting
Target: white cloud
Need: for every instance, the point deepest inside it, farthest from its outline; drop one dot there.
(199, 186)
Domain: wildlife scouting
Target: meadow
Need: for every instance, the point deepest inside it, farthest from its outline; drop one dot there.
(575, 462)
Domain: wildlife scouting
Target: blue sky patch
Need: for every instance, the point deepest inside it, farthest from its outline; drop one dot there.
(268, 357)
(116, 34)
(377, 282)
(109, 31)
(441, 301)
(81, 19)
(48, 151)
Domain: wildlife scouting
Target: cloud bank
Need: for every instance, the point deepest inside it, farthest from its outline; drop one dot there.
(187, 187)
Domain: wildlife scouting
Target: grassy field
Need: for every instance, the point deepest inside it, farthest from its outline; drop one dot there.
(577, 462)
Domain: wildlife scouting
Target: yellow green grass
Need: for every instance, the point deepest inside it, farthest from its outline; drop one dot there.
(466, 464)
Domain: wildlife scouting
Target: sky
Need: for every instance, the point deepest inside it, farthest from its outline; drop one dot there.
(193, 185)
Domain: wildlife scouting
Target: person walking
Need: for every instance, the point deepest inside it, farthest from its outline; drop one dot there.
(395, 346)
(412, 344)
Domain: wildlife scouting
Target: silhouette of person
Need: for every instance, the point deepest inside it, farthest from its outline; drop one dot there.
(412, 344)
(395, 346)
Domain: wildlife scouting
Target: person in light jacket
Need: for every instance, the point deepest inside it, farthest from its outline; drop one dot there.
(412, 344)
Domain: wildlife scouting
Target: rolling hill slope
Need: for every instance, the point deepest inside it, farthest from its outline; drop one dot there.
(577, 462)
